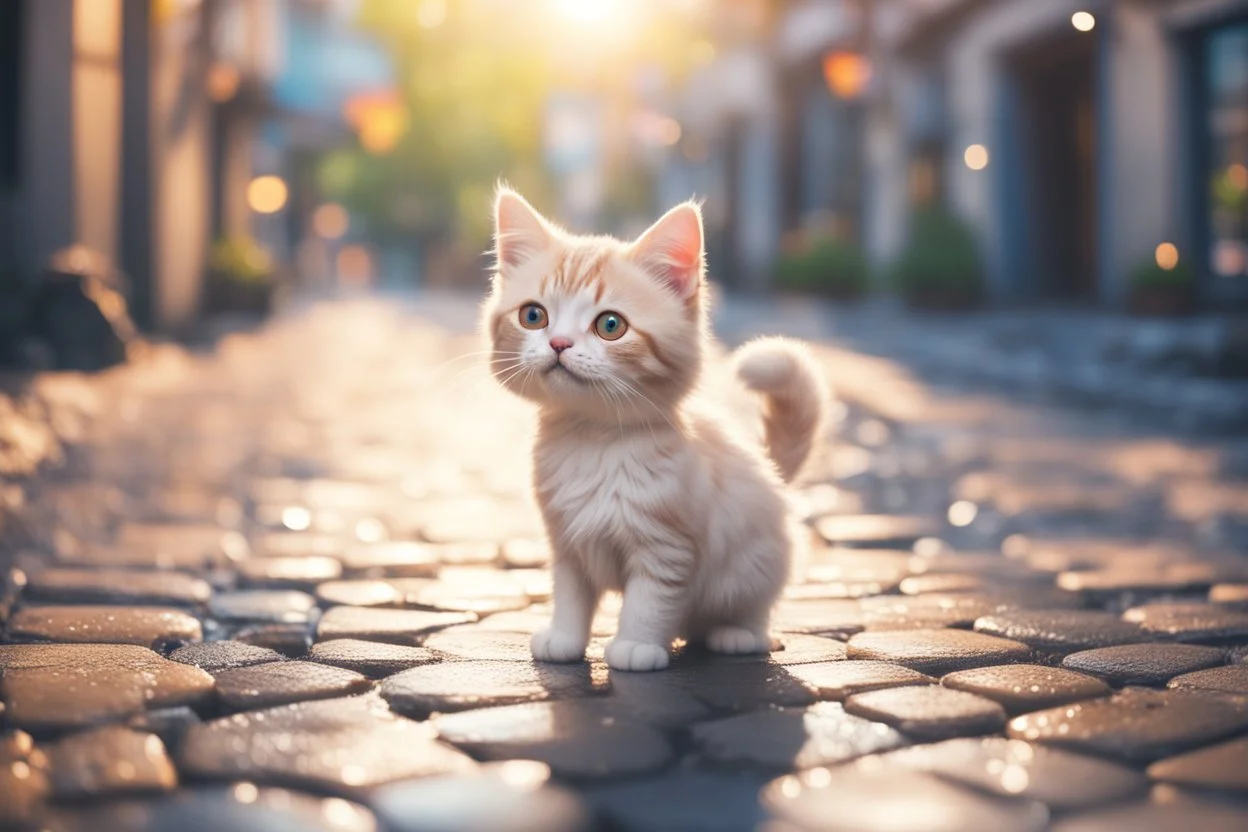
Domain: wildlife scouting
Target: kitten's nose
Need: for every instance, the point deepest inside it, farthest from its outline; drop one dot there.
(559, 343)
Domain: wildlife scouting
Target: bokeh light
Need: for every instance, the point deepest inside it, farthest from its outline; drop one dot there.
(267, 194)
(976, 157)
(1083, 21)
(223, 82)
(330, 221)
(1167, 256)
(847, 74)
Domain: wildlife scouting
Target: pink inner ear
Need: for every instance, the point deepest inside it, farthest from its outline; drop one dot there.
(519, 231)
(672, 249)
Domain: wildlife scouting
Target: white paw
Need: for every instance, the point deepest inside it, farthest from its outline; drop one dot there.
(737, 640)
(554, 646)
(636, 655)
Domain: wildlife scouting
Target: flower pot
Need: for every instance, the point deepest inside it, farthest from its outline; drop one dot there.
(1161, 301)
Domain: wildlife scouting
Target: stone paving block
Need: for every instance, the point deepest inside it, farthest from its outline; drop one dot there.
(839, 680)
(335, 745)
(242, 807)
(1231, 678)
(793, 738)
(169, 546)
(365, 592)
(929, 712)
(1230, 595)
(24, 779)
(1201, 623)
(143, 626)
(374, 659)
(108, 762)
(469, 642)
(290, 640)
(682, 800)
(876, 531)
(1223, 766)
(292, 572)
(937, 652)
(213, 656)
(1152, 814)
(408, 627)
(575, 741)
(463, 685)
(276, 606)
(1027, 687)
(1059, 779)
(61, 686)
(1061, 631)
(521, 553)
(116, 586)
(1141, 578)
(739, 687)
(923, 612)
(1144, 664)
(513, 796)
(818, 617)
(1138, 724)
(874, 796)
(279, 683)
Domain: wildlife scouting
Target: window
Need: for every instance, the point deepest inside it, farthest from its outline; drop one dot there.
(1226, 85)
(10, 91)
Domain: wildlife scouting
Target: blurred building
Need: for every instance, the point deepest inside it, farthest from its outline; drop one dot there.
(1077, 136)
(1074, 136)
(137, 127)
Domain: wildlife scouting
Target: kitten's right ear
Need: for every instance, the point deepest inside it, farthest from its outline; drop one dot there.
(519, 230)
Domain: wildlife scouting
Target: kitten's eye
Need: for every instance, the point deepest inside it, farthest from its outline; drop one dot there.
(610, 326)
(532, 316)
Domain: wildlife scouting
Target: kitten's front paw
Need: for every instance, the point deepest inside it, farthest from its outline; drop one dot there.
(554, 646)
(737, 640)
(636, 655)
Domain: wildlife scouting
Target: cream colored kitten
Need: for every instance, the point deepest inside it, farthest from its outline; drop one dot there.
(641, 490)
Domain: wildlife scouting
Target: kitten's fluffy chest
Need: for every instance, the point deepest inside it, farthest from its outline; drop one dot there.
(608, 494)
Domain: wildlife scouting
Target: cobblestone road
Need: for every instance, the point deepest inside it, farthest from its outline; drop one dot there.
(290, 584)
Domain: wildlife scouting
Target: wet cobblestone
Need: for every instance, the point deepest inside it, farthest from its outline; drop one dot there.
(263, 586)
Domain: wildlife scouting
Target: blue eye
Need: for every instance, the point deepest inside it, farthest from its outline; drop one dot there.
(532, 316)
(610, 326)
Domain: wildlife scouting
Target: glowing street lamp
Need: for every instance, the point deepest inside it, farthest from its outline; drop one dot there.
(267, 194)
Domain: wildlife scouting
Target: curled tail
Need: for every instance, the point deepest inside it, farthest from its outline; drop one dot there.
(784, 372)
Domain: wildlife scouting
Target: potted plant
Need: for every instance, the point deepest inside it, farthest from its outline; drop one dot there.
(827, 266)
(241, 277)
(940, 266)
(1159, 291)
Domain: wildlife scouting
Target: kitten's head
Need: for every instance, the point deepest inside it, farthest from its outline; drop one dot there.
(592, 325)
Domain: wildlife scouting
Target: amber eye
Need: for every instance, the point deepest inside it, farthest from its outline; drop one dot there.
(610, 326)
(532, 316)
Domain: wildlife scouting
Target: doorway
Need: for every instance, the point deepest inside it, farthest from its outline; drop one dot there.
(1056, 81)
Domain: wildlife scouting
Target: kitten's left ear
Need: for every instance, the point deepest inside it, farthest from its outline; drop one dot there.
(519, 230)
(671, 250)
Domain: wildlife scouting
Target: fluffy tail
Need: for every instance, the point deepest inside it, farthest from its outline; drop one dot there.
(794, 394)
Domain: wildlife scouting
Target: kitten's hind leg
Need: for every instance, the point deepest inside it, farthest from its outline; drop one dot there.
(575, 601)
(750, 636)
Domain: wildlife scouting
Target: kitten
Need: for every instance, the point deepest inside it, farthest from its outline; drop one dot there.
(641, 490)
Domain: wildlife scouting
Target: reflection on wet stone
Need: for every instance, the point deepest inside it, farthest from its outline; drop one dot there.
(839, 680)
(1144, 664)
(24, 782)
(110, 761)
(576, 741)
(374, 659)
(929, 712)
(937, 651)
(395, 626)
(277, 683)
(1223, 766)
(1027, 687)
(683, 799)
(275, 606)
(55, 686)
(785, 739)
(462, 685)
(1137, 724)
(143, 626)
(513, 796)
(1059, 779)
(292, 572)
(338, 745)
(868, 796)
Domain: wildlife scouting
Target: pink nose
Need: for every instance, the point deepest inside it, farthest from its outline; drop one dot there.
(559, 343)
